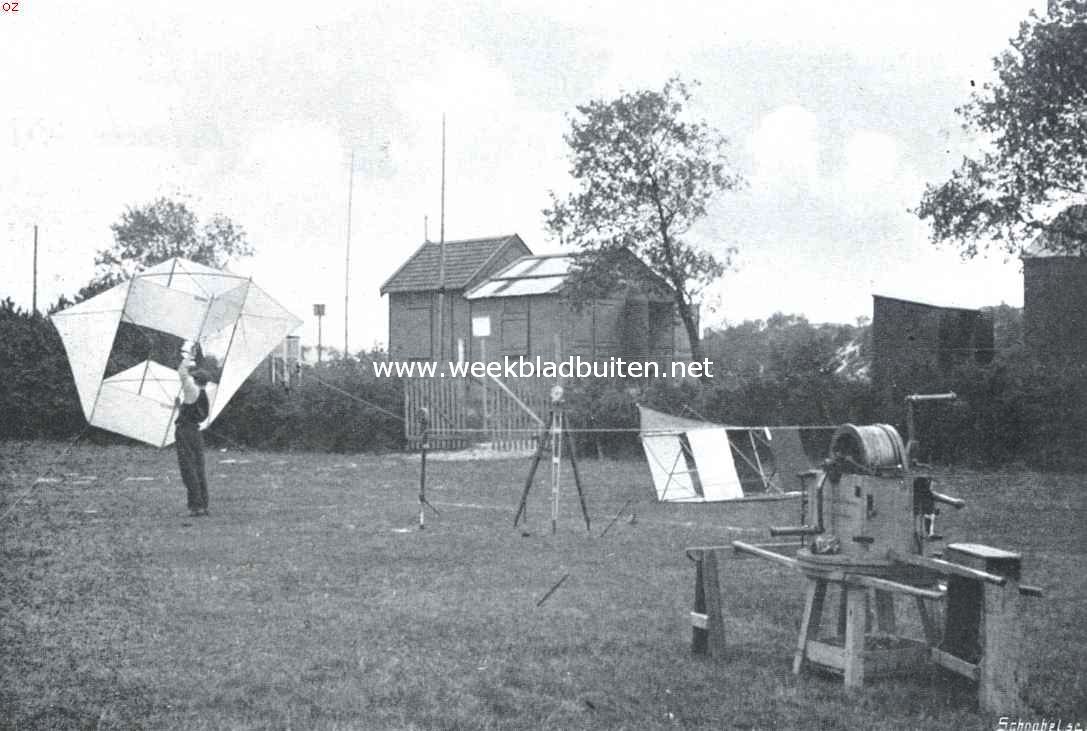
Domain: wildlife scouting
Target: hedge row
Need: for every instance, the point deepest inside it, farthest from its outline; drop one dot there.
(1011, 410)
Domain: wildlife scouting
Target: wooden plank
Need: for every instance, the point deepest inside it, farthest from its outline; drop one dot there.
(700, 621)
(1001, 678)
(714, 614)
(763, 553)
(856, 609)
(929, 627)
(885, 611)
(954, 664)
(768, 546)
(827, 655)
(884, 585)
(987, 553)
(809, 625)
(946, 567)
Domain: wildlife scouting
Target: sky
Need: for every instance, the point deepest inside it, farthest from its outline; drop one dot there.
(838, 114)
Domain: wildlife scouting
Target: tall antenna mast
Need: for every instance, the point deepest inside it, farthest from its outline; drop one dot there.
(347, 262)
(441, 259)
(34, 304)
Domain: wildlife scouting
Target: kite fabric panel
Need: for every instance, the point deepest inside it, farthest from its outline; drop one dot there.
(790, 459)
(83, 329)
(668, 467)
(235, 322)
(689, 460)
(716, 470)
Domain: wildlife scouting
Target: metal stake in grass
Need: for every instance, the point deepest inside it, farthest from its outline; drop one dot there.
(552, 590)
(424, 423)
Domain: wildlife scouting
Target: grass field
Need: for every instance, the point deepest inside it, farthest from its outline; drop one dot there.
(309, 599)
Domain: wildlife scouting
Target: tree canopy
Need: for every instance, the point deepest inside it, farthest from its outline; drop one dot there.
(148, 234)
(1034, 165)
(644, 174)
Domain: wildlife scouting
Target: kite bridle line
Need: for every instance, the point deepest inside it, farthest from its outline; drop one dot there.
(38, 480)
(361, 400)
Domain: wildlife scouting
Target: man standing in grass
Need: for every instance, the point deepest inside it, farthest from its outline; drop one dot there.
(192, 409)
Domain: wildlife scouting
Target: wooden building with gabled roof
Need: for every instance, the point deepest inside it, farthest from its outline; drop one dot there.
(523, 301)
(531, 314)
(413, 293)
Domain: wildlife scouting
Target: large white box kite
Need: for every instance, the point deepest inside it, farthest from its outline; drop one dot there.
(236, 323)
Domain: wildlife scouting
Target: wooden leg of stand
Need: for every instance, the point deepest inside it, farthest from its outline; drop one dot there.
(708, 623)
(931, 635)
(522, 508)
(842, 611)
(809, 625)
(577, 478)
(855, 610)
(885, 612)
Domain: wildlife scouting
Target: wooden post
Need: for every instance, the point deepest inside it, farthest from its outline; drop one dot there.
(1000, 635)
(707, 619)
(885, 611)
(483, 357)
(424, 422)
(856, 610)
(556, 466)
(809, 625)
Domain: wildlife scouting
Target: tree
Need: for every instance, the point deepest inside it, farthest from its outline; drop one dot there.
(149, 234)
(644, 175)
(1034, 117)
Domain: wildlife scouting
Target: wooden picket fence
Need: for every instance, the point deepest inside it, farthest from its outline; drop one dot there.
(465, 412)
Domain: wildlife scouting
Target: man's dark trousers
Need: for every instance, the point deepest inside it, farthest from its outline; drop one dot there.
(190, 457)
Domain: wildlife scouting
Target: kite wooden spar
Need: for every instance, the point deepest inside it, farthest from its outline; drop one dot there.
(232, 318)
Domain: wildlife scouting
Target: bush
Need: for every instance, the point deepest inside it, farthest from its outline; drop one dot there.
(1014, 409)
(336, 407)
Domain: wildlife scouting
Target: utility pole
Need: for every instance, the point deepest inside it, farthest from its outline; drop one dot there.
(319, 312)
(34, 300)
(347, 263)
(441, 259)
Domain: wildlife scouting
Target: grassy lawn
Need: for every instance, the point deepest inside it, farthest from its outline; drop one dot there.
(309, 599)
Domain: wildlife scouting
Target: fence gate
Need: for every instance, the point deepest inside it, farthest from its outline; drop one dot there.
(466, 412)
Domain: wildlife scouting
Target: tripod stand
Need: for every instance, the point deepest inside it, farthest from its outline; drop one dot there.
(552, 441)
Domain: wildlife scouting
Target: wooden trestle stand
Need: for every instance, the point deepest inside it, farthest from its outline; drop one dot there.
(869, 520)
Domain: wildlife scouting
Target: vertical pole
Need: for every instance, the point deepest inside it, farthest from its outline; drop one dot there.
(425, 422)
(856, 610)
(911, 436)
(522, 509)
(347, 261)
(441, 260)
(483, 356)
(710, 639)
(286, 367)
(318, 340)
(556, 465)
(34, 301)
(572, 448)
(813, 616)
